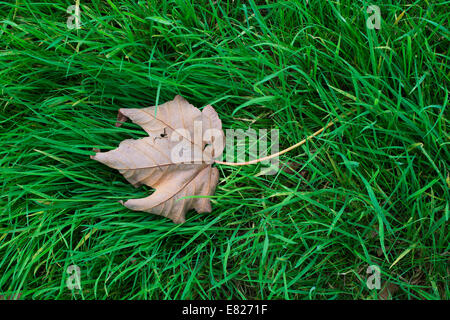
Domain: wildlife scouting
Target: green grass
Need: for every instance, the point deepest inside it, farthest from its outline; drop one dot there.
(372, 190)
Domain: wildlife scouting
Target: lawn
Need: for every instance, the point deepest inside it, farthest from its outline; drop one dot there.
(371, 190)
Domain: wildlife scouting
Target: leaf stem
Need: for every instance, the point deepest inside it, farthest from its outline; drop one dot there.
(285, 150)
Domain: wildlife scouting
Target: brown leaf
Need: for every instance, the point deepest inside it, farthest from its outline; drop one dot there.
(175, 159)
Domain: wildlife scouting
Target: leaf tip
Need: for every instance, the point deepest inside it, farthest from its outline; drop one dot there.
(93, 156)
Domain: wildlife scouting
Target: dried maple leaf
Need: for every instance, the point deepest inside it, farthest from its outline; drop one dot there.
(159, 162)
(164, 160)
